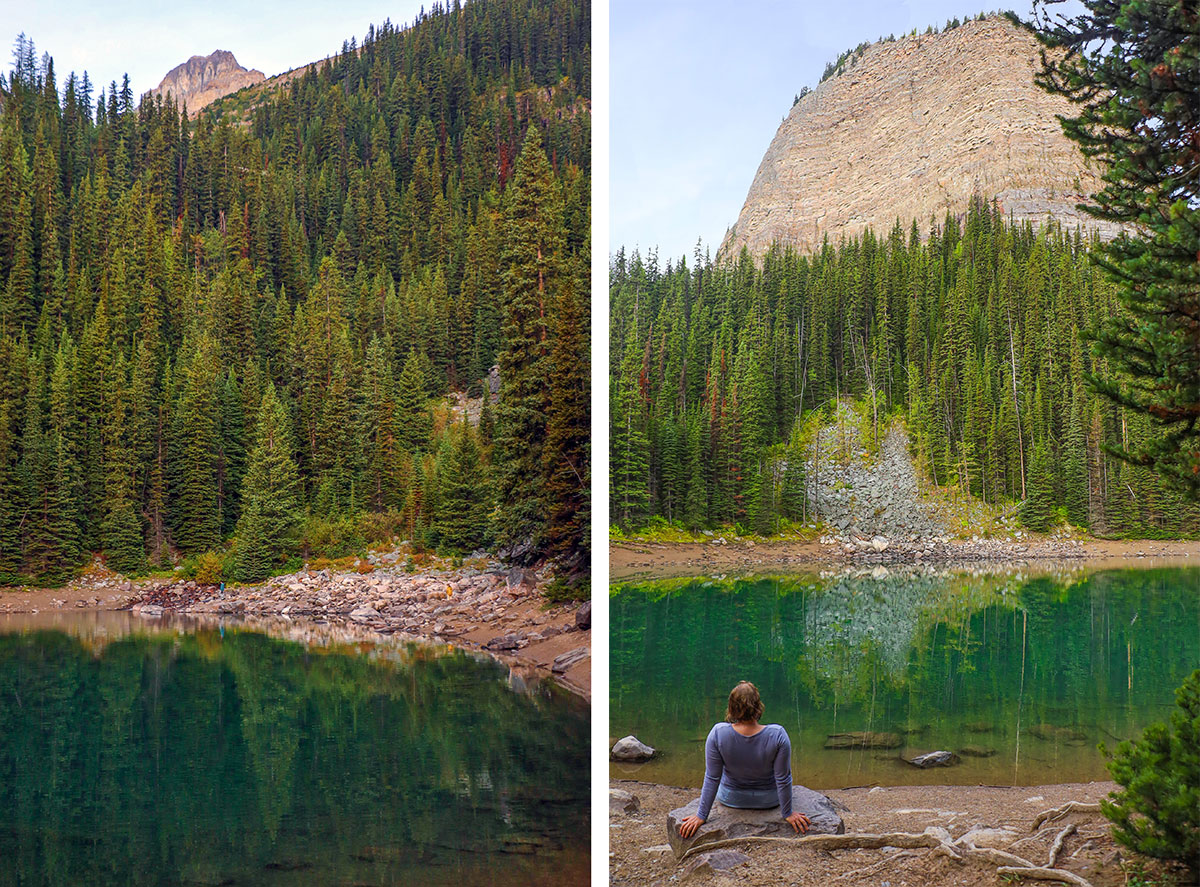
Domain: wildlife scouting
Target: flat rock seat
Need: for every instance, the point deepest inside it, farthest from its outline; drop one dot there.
(728, 822)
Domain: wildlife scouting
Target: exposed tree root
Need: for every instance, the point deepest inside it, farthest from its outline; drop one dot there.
(1038, 873)
(1056, 847)
(1007, 863)
(1060, 812)
(871, 869)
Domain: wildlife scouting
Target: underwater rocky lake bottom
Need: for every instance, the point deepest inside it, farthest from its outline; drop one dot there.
(1021, 675)
(141, 754)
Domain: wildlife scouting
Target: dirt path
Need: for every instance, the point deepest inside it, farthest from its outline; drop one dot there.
(639, 855)
(628, 560)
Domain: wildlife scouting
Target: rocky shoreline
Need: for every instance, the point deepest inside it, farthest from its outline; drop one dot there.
(483, 608)
(630, 560)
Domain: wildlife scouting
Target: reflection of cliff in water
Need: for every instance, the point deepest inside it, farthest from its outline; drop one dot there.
(206, 759)
(938, 659)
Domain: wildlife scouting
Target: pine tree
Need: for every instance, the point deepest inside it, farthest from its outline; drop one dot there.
(1133, 71)
(271, 504)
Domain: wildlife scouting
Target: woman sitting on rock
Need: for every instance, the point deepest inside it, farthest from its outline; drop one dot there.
(747, 765)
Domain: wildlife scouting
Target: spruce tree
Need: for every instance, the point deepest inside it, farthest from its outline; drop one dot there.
(532, 268)
(271, 503)
(463, 501)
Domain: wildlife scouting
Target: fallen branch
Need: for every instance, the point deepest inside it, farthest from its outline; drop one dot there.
(1037, 873)
(1056, 847)
(1065, 809)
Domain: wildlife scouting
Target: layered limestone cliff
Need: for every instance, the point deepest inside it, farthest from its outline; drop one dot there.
(202, 80)
(912, 130)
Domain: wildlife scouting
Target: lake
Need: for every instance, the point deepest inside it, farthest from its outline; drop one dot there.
(139, 754)
(1021, 674)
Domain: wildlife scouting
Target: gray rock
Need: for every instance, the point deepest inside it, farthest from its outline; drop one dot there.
(362, 614)
(934, 759)
(519, 577)
(726, 822)
(504, 642)
(622, 801)
(566, 660)
(631, 750)
(583, 616)
(712, 862)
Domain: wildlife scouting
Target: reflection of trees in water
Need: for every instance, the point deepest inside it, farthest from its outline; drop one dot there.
(919, 646)
(196, 758)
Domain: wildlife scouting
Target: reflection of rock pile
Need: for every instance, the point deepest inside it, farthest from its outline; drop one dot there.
(880, 499)
(861, 616)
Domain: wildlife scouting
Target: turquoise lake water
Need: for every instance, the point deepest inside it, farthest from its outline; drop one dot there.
(1030, 671)
(152, 756)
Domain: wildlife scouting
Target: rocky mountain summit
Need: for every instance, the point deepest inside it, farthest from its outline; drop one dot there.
(202, 80)
(913, 128)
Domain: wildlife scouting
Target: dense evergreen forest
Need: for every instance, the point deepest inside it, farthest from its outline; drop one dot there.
(971, 335)
(235, 334)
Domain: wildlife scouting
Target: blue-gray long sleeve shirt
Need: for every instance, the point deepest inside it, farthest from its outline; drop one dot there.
(747, 762)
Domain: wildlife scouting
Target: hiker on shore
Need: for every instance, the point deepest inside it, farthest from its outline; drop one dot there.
(747, 765)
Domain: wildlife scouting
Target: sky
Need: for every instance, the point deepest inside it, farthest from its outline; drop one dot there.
(140, 38)
(699, 88)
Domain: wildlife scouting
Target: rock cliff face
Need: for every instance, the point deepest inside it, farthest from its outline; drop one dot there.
(204, 79)
(913, 129)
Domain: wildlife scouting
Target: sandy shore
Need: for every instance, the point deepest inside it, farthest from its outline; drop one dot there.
(640, 856)
(472, 609)
(628, 560)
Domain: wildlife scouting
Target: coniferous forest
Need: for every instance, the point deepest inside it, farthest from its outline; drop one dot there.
(971, 334)
(263, 333)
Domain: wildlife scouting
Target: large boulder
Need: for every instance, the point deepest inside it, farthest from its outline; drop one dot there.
(631, 750)
(728, 822)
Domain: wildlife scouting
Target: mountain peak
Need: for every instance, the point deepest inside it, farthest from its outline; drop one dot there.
(203, 79)
(914, 128)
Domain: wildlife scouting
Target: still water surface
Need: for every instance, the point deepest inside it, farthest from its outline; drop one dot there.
(1032, 671)
(139, 756)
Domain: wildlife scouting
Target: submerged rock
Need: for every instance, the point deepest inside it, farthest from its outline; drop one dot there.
(934, 759)
(728, 822)
(976, 751)
(631, 750)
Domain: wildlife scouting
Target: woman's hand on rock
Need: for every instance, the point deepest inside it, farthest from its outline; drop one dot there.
(690, 825)
(798, 821)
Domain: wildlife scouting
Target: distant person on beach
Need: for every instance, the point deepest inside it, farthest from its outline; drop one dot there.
(747, 765)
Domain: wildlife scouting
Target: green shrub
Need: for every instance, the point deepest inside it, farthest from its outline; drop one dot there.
(1157, 812)
(206, 568)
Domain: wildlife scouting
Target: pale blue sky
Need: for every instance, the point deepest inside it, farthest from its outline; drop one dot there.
(147, 39)
(699, 88)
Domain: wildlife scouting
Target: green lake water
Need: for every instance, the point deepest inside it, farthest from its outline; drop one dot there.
(179, 756)
(1034, 670)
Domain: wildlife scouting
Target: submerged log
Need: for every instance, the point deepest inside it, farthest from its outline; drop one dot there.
(863, 740)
